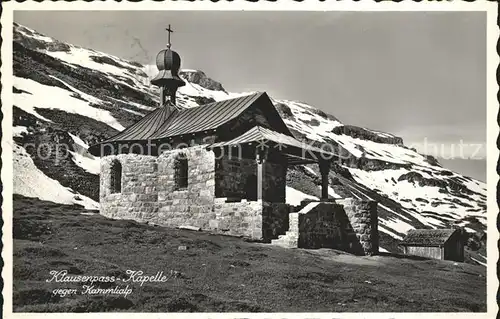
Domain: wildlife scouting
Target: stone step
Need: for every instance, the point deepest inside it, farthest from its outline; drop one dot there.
(284, 243)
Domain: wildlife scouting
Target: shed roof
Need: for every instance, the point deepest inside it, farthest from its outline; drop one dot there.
(262, 134)
(427, 237)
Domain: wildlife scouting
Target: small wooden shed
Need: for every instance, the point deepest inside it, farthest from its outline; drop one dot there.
(443, 244)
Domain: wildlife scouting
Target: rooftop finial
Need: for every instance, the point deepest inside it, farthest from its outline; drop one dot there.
(169, 30)
(167, 79)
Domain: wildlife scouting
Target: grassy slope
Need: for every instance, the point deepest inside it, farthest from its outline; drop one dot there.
(220, 273)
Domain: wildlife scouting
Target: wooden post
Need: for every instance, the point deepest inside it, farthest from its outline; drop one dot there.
(324, 168)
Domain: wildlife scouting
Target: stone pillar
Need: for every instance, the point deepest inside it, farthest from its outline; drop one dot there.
(260, 157)
(259, 180)
(324, 168)
(363, 217)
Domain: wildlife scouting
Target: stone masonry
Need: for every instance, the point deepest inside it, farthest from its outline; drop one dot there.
(193, 205)
(349, 225)
(149, 194)
(138, 198)
(363, 217)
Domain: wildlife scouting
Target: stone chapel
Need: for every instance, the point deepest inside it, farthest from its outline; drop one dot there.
(222, 167)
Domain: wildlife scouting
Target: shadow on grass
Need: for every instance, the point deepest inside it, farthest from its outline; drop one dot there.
(402, 256)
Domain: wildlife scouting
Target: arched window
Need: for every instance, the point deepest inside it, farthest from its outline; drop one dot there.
(116, 177)
(181, 171)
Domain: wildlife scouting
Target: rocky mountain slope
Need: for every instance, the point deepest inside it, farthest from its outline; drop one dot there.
(68, 95)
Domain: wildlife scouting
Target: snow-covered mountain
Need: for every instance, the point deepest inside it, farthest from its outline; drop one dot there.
(64, 94)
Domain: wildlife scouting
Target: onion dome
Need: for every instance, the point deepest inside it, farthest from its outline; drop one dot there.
(168, 63)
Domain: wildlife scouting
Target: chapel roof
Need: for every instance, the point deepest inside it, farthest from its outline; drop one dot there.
(205, 117)
(167, 122)
(427, 237)
(144, 128)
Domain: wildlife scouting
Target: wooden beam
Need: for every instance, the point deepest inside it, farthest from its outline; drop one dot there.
(296, 160)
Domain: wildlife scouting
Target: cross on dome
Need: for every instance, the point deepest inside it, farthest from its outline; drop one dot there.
(169, 30)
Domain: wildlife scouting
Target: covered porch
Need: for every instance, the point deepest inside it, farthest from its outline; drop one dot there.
(262, 157)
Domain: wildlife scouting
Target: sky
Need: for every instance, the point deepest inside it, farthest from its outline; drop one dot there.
(418, 75)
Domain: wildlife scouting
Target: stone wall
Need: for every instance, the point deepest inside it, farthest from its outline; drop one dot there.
(324, 226)
(194, 204)
(254, 219)
(363, 218)
(349, 225)
(243, 218)
(149, 194)
(275, 220)
(148, 188)
(138, 198)
(232, 175)
(274, 182)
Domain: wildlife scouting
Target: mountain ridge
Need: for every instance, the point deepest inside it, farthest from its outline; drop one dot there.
(68, 95)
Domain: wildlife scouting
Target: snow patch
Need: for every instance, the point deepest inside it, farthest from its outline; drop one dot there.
(133, 112)
(389, 232)
(87, 162)
(430, 199)
(396, 224)
(332, 193)
(308, 208)
(50, 97)
(479, 262)
(18, 131)
(294, 197)
(29, 181)
(310, 170)
(83, 158)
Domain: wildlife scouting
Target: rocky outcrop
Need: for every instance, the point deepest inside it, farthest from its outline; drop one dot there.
(201, 79)
(365, 134)
(417, 178)
(202, 100)
(284, 110)
(432, 160)
(108, 60)
(37, 44)
(447, 184)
